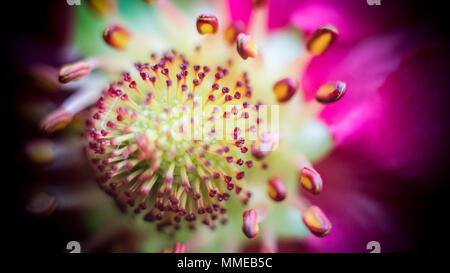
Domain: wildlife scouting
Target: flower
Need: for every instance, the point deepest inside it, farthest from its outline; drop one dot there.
(138, 96)
(378, 159)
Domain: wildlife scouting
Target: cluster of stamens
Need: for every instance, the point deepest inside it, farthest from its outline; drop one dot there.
(173, 140)
(161, 141)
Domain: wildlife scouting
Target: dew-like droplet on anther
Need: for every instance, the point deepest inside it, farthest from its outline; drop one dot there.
(331, 92)
(73, 72)
(246, 47)
(276, 189)
(207, 24)
(117, 36)
(316, 221)
(250, 225)
(322, 39)
(284, 89)
(310, 180)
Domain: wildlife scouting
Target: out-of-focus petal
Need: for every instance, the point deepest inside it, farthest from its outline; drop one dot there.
(363, 66)
(280, 11)
(354, 19)
(240, 10)
(391, 156)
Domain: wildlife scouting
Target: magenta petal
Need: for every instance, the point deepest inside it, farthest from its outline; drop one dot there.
(280, 11)
(363, 66)
(392, 153)
(354, 19)
(240, 10)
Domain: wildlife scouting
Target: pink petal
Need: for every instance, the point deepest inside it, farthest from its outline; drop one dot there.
(363, 65)
(391, 157)
(280, 11)
(354, 19)
(240, 10)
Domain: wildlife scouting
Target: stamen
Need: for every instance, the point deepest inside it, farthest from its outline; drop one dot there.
(250, 225)
(322, 39)
(233, 30)
(246, 46)
(284, 89)
(276, 189)
(102, 7)
(207, 24)
(331, 92)
(57, 120)
(310, 180)
(316, 221)
(42, 205)
(41, 151)
(73, 72)
(140, 162)
(263, 146)
(179, 248)
(117, 36)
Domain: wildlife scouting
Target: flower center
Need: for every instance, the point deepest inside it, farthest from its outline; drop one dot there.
(171, 139)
